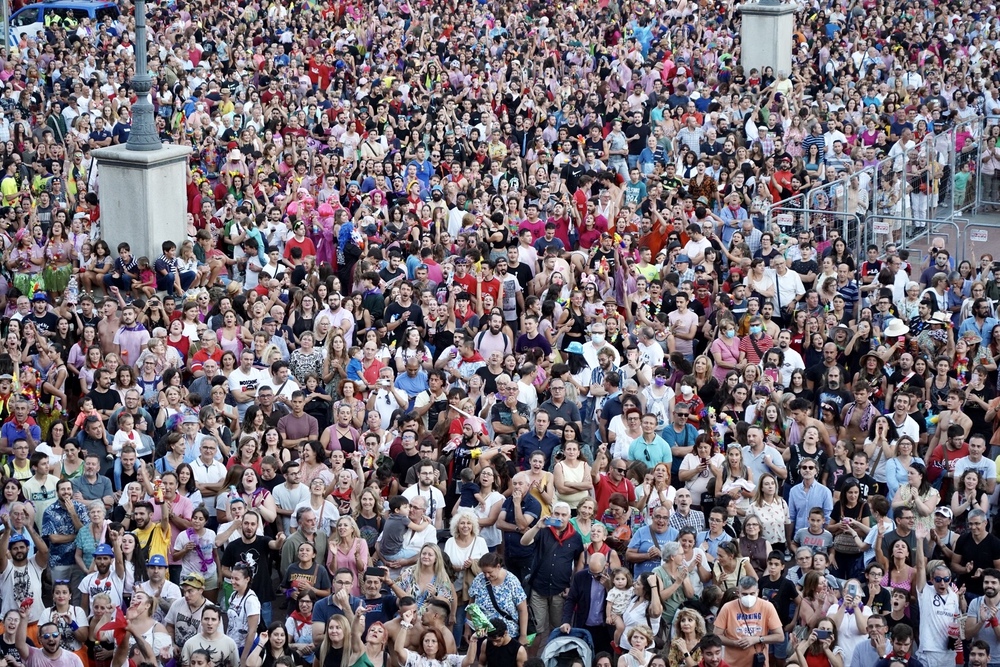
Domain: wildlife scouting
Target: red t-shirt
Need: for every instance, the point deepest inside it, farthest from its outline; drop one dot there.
(201, 356)
(605, 487)
(492, 287)
(308, 247)
(468, 283)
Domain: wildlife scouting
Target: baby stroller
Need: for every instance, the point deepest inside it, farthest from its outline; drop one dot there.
(565, 649)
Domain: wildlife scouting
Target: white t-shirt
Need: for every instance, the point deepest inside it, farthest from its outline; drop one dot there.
(326, 517)
(651, 354)
(186, 621)
(37, 658)
(286, 498)
(491, 534)
(65, 625)
(459, 555)
(112, 584)
(238, 380)
(168, 592)
(435, 499)
(937, 614)
(191, 562)
(17, 584)
(210, 474)
(240, 610)
(288, 387)
(791, 361)
(987, 469)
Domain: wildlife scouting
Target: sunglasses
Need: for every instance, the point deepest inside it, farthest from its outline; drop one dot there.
(940, 580)
(620, 471)
(50, 635)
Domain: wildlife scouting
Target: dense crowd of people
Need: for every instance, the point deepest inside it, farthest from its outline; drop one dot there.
(482, 335)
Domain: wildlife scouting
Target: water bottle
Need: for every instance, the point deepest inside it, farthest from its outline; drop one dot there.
(72, 290)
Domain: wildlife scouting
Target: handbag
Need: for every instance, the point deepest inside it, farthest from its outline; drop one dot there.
(532, 626)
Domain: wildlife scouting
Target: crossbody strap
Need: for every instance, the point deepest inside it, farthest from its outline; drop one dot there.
(493, 599)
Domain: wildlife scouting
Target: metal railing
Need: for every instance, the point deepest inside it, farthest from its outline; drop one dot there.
(900, 198)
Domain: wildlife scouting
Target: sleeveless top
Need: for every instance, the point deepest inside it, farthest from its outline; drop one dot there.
(756, 551)
(573, 476)
(729, 580)
(502, 656)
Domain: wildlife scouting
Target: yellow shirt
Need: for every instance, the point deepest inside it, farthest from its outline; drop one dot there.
(9, 188)
(154, 537)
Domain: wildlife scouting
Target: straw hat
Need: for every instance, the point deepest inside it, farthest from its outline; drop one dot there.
(896, 328)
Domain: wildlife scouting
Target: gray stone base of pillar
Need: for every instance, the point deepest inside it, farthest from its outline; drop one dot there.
(767, 30)
(143, 197)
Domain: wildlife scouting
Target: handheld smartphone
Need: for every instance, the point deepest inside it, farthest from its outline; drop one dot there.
(822, 634)
(852, 590)
(771, 373)
(550, 521)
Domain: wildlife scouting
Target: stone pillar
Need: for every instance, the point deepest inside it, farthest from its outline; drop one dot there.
(766, 36)
(143, 197)
(142, 186)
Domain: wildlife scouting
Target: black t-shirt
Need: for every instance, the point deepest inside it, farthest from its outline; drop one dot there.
(489, 379)
(981, 555)
(257, 556)
(912, 380)
(571, 173)
(834, 473)
(388, 275)
(104, 401)
(781, 594)
(44, 324)
(394, 311)
(881, 603)
(803, 267)
(402, 464)
(869, 486)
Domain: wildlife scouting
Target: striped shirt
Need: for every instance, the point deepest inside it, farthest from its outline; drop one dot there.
(850, 292)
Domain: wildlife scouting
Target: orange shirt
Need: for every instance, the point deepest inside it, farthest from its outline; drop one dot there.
(735, 621)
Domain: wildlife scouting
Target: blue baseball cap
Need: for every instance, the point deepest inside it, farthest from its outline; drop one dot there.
(105, 550)
(156, 561)
(15, 538)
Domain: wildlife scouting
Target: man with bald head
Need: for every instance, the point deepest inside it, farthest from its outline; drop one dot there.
(610, 482)
(584, 606)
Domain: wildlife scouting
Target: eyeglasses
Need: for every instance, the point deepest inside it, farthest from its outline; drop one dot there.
(941, 580)
(807, 467)
(61, 581)
(50, 635)
(620, 471)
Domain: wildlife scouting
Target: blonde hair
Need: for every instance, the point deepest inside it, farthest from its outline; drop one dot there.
(440, 573)
(354, 527)
(643, 630)
(464, 513)
(699, 623)
(345, 625)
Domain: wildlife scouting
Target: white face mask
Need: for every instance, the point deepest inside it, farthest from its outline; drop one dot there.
(748, 601)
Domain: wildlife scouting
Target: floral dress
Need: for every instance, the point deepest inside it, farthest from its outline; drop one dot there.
(408, 582)
(508, 595)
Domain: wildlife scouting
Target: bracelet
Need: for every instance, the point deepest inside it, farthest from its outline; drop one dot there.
(405, 625)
